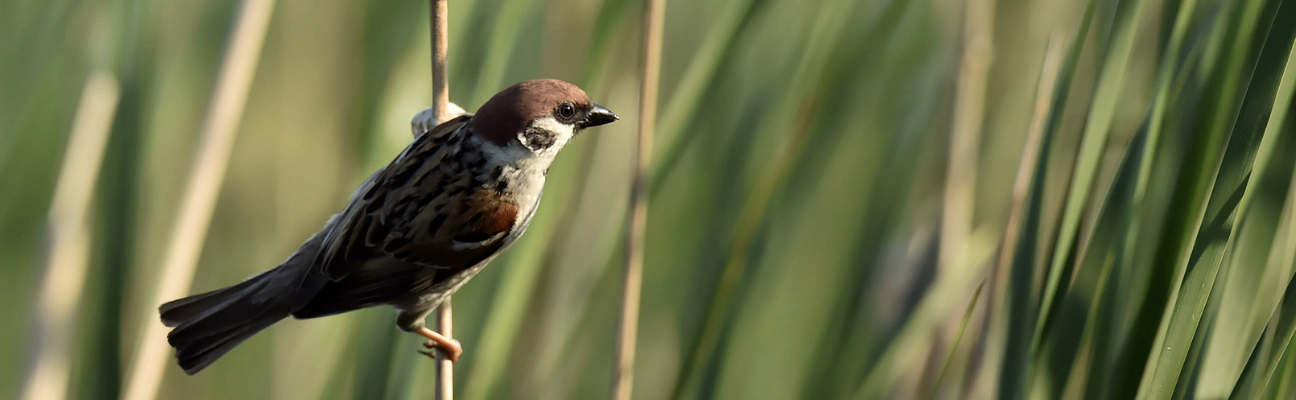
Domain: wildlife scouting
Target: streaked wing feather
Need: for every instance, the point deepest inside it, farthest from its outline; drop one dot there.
(424, 209)
(365, 288)
(383, 204)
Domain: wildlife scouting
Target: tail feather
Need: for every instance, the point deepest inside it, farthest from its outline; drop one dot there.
(208, 325)
(176, 312)
(196, 348)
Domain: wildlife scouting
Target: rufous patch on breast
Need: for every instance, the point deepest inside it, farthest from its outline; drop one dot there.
(489, 213)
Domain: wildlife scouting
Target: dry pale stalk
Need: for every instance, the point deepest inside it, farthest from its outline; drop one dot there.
(69, 248)
(445, 367)
(441, 109)
(965, 146)
(440, 86)
(218, 131)
(1022, 184)
(965, 138)
(623, 375)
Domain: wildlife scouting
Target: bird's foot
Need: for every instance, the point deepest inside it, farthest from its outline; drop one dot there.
(449, 347)
(424, 121)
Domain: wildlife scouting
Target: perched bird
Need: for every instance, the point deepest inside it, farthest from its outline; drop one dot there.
(412, 234)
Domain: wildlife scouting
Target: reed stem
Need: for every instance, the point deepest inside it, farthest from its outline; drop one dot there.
(195, 214)
(440, 101)
(69, 248)
(623, 375)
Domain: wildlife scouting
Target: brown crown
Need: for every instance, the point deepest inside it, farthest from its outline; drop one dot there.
(509, 111)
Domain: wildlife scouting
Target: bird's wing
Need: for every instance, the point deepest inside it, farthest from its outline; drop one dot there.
(362, 288)
(425, 208)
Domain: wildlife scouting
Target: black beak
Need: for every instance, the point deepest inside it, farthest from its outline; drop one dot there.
(598, 115)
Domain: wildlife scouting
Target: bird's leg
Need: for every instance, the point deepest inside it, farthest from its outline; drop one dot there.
(450, 346)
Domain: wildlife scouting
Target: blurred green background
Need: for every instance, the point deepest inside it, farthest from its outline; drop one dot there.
(833, 180)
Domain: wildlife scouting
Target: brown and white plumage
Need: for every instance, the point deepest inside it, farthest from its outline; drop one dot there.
(413, 233)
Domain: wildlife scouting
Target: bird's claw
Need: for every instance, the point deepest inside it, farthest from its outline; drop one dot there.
(451, 350)
(424, 121)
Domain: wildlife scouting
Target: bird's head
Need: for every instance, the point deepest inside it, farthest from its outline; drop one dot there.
(539, 116)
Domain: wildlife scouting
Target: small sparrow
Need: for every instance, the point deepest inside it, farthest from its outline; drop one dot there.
(412, 234)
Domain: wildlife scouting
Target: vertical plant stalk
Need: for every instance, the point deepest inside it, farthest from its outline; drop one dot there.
(964, 149)
(440, 85)
(440, 105)
(965, 139)
(69, 248)
(1023, 184)
(195, 214)
(445, 367)
(623, 375)
(1027, 170)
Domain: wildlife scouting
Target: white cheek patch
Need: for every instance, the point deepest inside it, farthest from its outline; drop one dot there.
(519, 158)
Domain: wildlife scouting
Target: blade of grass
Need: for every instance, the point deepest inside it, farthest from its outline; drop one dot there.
(1018, 264)
(1097, 129)
(1184, 308)
(69, 249)
(204, 183)
(1067, 353)
(831, 23)
(1140, 284)
(958, 337)
(1259, 235)
(685, 102)
(1285, 348)
(119, 210)
(1283, 388)
(1025, 187)
(883, 278)
(508, 25)
(1169, 87)
(1243, 146)
(1276, 335)
(1075, 386)
(1225, 352)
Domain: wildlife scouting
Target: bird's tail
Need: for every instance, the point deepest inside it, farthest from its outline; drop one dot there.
(208, 325)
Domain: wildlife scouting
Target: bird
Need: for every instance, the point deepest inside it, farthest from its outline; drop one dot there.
(412, 234)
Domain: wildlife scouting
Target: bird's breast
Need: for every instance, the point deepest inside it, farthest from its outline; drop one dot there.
(524, 187)
(516, 173)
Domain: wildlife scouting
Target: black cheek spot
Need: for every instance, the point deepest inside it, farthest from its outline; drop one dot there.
(538, 140)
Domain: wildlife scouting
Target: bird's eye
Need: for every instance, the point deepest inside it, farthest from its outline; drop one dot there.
(566, 111)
